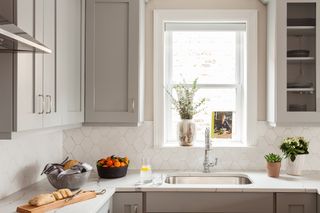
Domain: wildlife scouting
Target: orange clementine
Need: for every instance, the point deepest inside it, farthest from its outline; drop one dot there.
(117, 164)
(123, 164)
(109, 163)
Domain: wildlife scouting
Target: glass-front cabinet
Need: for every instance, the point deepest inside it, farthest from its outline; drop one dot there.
(301, 55)
(293, 93)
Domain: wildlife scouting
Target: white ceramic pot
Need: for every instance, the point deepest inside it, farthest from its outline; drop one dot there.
(186, 132)
(295, 167)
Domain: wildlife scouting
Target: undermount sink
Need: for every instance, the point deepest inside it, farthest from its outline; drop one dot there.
(212, 179)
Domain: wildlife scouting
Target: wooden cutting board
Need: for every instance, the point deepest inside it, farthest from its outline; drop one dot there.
(57, 204)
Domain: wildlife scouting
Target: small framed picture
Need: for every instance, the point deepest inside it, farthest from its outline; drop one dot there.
(221, 125)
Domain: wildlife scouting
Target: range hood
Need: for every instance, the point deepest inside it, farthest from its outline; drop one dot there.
(14, 39)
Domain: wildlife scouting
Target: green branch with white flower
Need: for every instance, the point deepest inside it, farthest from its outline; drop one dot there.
(184, 102)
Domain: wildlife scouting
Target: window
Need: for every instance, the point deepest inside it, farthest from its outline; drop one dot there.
(214, 49)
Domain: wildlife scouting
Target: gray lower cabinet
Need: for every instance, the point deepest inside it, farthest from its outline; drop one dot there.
(127, 202)
(209, 202)
(296, 203)
(114, 61)
(318, 203)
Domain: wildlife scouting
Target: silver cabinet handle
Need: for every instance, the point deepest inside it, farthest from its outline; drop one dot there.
(41, 107)
(133, 105)
(135, 208)
(49, 106)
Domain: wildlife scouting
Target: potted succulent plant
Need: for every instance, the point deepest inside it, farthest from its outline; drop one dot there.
(183, 101)
(294, 149)
(273, 164)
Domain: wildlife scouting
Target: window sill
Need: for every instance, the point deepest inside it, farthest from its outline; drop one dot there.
(235, 144)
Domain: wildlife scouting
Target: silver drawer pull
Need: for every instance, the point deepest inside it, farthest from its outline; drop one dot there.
(41, 103)
(133, 105)
(135, 207)
(49, 104)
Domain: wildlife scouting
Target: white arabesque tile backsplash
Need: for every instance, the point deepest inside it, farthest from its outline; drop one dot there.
(23, 158)
(89, 144)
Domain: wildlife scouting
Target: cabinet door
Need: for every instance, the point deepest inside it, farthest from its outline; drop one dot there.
(52, 114)
(29, 69)
(6, 94)
(318, 203)
(113, 61)
(127, 202)
(183, 202)
(70, 59)
(6, 78)
(296, 203)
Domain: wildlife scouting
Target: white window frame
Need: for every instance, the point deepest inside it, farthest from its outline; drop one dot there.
(249, 102)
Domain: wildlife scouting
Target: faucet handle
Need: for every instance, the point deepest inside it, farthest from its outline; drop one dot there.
(215, 162)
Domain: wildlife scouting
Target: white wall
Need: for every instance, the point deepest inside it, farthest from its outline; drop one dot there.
(23, 158)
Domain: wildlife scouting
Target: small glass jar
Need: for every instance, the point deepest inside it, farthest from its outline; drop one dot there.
(145, 171)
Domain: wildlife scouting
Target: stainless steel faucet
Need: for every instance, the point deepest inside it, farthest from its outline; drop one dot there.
(206, 163)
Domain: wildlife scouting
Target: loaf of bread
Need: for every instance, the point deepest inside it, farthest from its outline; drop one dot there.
(70, 163)
(42, 199)
(57, 195)
(65, 193)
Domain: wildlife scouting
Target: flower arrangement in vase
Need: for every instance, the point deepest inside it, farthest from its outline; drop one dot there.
(295, 149)
(183, 101)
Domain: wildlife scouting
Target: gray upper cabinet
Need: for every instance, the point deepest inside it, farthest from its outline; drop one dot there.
(293, 96)
(70, 59)
(52, 115)
(296, 202)
(114, 61)
(43, 90)
(29, 69)
(36, 94)
(6, 78)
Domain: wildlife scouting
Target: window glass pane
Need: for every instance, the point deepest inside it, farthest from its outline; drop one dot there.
(210, 56)
(218, 100)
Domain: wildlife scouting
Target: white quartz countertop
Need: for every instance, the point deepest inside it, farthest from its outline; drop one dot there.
(309, 182)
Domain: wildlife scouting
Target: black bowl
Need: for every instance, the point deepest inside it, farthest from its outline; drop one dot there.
(298, 53)
(112, 172)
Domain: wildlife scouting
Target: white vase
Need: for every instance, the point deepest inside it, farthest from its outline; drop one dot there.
(186, 132)
(295, 167)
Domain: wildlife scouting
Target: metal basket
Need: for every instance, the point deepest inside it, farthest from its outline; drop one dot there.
(71, 181)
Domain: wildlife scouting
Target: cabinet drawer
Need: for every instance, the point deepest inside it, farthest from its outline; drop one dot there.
(209, 202)
(296, 202)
